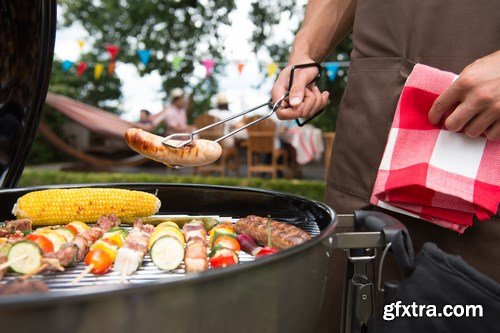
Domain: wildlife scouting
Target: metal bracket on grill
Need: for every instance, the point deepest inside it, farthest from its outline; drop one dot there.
(360, 294)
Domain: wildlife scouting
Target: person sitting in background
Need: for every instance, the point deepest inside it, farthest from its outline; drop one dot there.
(144, 118)
(222, 112)
(175, 115)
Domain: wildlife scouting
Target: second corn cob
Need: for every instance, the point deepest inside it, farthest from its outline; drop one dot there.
(56, 206)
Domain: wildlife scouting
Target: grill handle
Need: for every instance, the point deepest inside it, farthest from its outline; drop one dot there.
(394, 232)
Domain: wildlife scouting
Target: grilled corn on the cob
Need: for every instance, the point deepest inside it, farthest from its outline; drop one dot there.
(56, 206)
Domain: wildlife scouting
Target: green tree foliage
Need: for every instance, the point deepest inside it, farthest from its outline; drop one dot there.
(267, 15)
(168, 28)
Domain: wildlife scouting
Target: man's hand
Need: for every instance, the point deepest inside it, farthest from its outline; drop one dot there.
(474, 99)
(303, 102)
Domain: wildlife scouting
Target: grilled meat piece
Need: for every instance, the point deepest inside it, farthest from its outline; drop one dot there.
(195, 258)
(21, 225)
(147, 228)
(23, 287)
(107, 222)
(15, 226)
(193, 229)
(66, 255)
(283, 235)
(76, 250)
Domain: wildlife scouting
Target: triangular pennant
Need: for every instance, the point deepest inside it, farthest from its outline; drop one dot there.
(98, 71)
(209, 66)
(144, 56)
(331, 70)
(66, 65)
(80, 69)
(112, 50)
(176, 63)
(111, 68)
(271, 69)
(240, 67)
(81, 44)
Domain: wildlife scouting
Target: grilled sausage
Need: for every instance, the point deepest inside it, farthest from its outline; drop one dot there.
(283, 235)
(196, 153)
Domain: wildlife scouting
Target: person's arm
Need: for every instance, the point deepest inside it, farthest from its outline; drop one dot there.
(156, 119)
(326, 23)
(474, 99)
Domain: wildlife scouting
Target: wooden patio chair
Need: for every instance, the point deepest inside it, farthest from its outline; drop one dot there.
(260, 146)
(229, 158)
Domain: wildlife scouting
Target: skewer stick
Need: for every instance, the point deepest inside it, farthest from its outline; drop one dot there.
(13, 261)
(82, 274)
(34, 272)
(54, 263)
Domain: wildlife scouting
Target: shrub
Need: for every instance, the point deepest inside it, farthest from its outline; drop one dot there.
(307, 188)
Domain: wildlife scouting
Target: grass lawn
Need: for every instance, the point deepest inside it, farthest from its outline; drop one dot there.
(307, 188)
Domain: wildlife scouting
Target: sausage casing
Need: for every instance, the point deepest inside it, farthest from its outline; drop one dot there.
(199, 152)
(283, 235)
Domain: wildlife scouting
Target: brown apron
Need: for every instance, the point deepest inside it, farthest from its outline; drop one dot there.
(389, 37)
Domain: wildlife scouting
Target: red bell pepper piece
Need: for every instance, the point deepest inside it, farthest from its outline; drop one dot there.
(265, 251)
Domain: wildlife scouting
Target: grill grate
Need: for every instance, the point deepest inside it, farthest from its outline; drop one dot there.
(61, 281)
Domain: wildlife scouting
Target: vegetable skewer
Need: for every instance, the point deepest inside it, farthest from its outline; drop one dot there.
(129, 257)
(75, 250)
(102, 253)
(225, 246)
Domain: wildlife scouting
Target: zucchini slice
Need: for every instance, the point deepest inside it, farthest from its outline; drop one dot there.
(167, 253)
(32, 253)
(115, 231)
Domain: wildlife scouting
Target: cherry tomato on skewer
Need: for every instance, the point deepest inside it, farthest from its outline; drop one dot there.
(100, 259)
(42, 241)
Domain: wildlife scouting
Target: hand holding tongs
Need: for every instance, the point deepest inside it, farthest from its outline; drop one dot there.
(187, 138)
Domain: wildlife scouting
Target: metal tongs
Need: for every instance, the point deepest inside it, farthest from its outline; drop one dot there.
(187, 138)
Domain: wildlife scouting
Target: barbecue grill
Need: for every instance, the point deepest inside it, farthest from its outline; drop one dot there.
(280, 293)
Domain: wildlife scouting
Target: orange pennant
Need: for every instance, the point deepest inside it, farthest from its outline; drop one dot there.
(111, 68)
(240, 67)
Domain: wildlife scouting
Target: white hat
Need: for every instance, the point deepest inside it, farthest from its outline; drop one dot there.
(221, 99)
(176, 92)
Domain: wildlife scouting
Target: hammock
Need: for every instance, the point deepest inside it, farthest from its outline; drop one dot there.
(101, 122)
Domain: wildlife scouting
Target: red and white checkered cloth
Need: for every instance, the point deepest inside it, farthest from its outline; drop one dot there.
(431, 173)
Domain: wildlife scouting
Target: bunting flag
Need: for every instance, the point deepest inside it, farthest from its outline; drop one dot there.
(209, 66)
(271, 69)
(66, 65)
(144, 56)
(240, 67)
(331, 70)
(176, 63)
(111, 68)
(98, 71)
(112, 50)
(80, 69)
